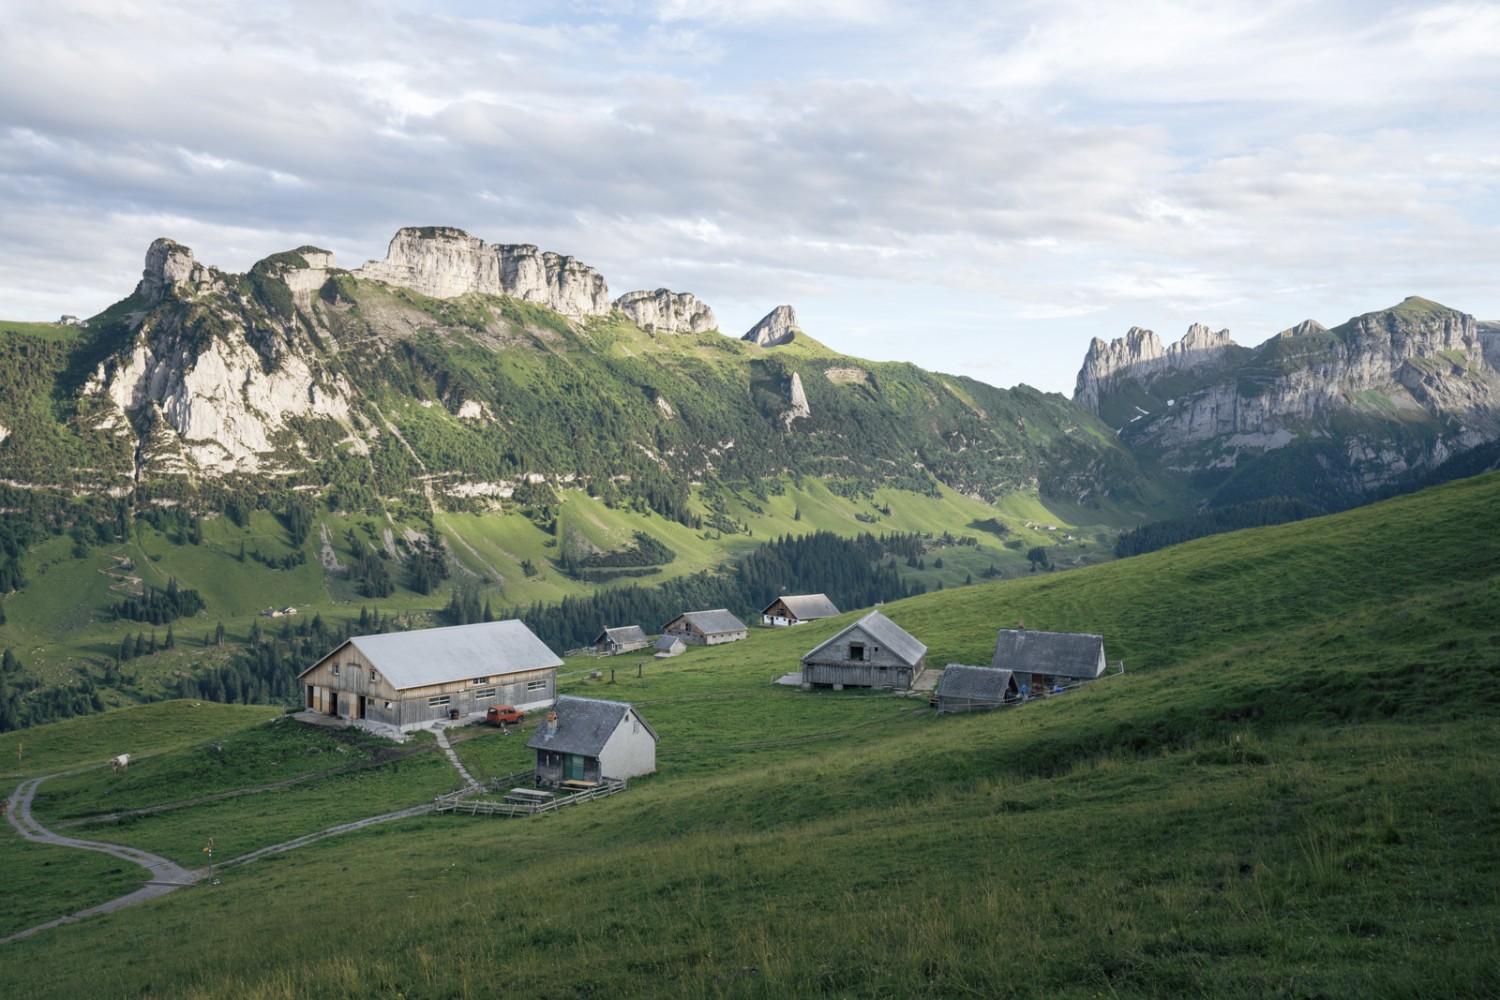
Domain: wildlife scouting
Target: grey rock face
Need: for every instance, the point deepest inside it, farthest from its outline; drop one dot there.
(797, 399)
(1139, 355)
(443, 263)
(778, 327)
(667, 312)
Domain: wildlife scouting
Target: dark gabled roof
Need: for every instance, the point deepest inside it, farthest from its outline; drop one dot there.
(1063, 654)
(624, 634)
(667, 642)
(884, 631)
(584, 725)
(458, 652)
(715, 622)
(805, 607)
(973, 683)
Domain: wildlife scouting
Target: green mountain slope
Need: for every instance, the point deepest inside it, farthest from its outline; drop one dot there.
(1257, 806)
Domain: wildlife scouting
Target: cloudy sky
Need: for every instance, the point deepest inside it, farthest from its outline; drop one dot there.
(979, 188)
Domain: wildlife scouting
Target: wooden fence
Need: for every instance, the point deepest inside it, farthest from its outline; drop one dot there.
(468, 800)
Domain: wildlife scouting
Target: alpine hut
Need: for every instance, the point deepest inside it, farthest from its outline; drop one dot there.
(796, 609)
(1044, 662)
(874, 652)
(589, 741)
(408, 679)
(613, 641)
(706, 628)
(975, 689)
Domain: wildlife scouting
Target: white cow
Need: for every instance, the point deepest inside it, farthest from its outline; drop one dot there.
(119, 763)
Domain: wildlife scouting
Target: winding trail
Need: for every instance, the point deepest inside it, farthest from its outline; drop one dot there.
(166, 875)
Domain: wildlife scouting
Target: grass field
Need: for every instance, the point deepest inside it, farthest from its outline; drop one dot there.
(1289, 792)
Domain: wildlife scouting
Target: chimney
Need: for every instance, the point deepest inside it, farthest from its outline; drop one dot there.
(551, 724)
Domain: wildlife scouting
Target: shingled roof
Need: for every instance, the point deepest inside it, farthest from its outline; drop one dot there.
(584, 725)
(973, 683)
(623, 635)
(805, 607)
(887, 633)
(1062, 654)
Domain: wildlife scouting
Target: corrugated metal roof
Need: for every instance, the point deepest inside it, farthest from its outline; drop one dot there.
(806, 607)
(1064, 654)
(459, 652)
(885, 632)
(714, 622)
(584, 725)
(973, 683)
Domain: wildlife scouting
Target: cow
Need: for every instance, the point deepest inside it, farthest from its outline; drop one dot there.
(119, 763)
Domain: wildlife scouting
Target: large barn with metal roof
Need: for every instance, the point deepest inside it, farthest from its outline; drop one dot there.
(874, 652)
(408, 679)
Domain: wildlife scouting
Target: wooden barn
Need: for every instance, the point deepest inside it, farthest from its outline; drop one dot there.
(874, 652)
(613, 641)
(408, 679)
(706, 628)
(1045, 661)
(587, 740)
(668, 645)
(796, 609)
(976, 689)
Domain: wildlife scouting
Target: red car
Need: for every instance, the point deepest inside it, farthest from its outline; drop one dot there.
(503, 715)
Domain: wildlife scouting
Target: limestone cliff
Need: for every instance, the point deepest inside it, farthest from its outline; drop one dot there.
(664, 311)
(1384, 394)
(797, 407)
(443, 263)
(778, 326)
(212, 402)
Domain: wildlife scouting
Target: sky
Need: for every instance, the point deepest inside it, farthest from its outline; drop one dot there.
(977, 188)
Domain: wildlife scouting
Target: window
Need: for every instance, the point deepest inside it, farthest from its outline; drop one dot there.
(538, 685)
(856, 651)
(486, 693)
(373, 678)
(480, 680)
(335, 670)
(437, 701)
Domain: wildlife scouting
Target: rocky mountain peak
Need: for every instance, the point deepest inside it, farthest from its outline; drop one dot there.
(1140, 355)
(667, 312)
(1303, 329)
(169, 264)
(443, 262)
(779, 326)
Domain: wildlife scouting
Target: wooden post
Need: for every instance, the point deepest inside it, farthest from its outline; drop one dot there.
(611, 675)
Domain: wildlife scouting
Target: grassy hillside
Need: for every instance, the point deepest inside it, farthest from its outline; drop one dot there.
(1289, 792)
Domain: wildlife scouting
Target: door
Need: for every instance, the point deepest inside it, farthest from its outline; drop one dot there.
(361, 714)
(333, 703)
(310, 702)
(572, 767)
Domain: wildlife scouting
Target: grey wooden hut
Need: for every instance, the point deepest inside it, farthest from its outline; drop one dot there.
(668, 645)
(590, 740)
(976, 689)
(874, 652)
(706, 628)
(613, 641)
(1045, 661)
(797, 608)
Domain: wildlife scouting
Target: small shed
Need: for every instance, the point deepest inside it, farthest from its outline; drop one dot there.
(706, 628)
(874, 652)
(976, 689)
(796, 609)
(408, 679)
(613, 641)
(668, 645)
(590, 740)
(1044, 661)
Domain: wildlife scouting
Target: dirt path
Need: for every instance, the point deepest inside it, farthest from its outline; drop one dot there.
(166, 875)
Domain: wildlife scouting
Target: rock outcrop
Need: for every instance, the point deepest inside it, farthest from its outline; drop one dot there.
(778, 327)
(1139, 356)
(797, 403)
(442, 263)
(664, 311)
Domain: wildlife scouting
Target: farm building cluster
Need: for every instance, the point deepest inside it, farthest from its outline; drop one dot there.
(410, 680)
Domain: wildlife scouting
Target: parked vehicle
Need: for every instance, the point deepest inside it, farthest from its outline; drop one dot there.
(503, 715)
